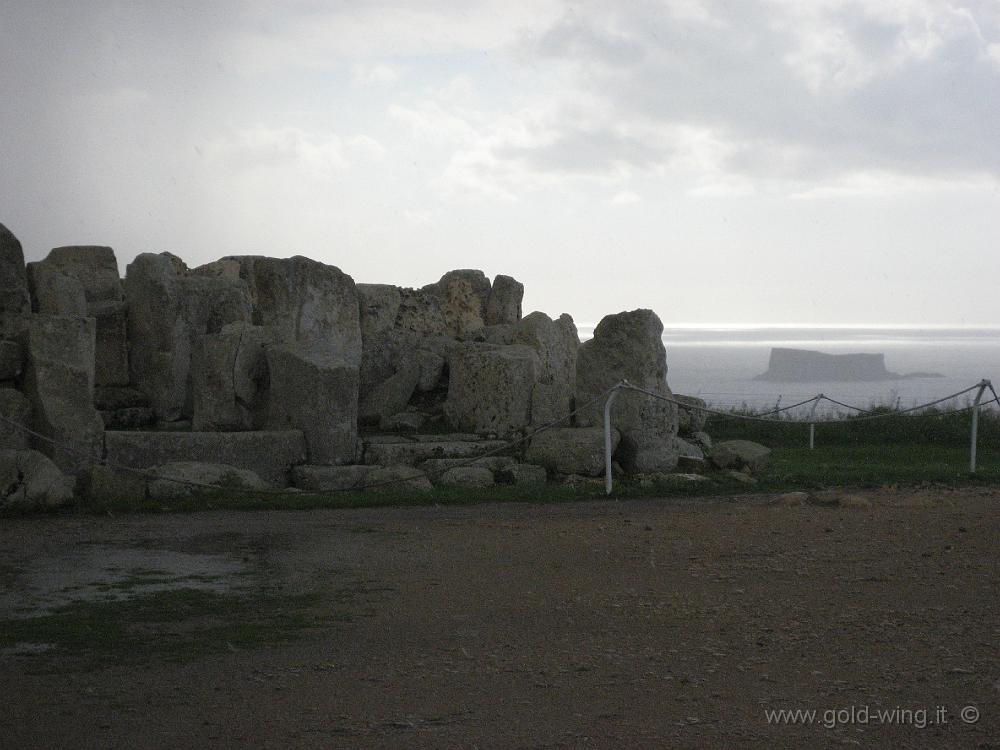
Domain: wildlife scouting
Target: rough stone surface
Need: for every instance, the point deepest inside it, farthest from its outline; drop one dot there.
(436, 466)
(628, 346)
(59, 382)
(390, 396)
(109, 398)
(567, 450)
(132, 418)
(406, 421)
(167, 312)
(306, 302)
(11, 360)
(463, 294)
(14, 299)
(317, 395)
(551, 402)
(14, 406)
(332, 478)
(489, 388)
(740, 454)
(270, 454)
(431, 365)
(691, 416)
(230, 379)
(702, 440)
(161, 486)
(30, 479)
(503, 306)
(57, 284)
(413, 453)
(466, 476)
(108, 485)
(398, 479)
(556, 342)
(522, 475)
(382, 345)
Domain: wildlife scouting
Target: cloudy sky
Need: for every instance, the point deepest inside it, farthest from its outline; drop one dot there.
(750, 161)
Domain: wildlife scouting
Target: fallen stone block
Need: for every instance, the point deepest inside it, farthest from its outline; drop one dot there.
(466, 476)
(311, 478)
(740, 454)
(398, 478)
(390, 396)
(569, 450)
(182, 479)
(105, 484)
(29, 479)
(270, 454)
(414, 453)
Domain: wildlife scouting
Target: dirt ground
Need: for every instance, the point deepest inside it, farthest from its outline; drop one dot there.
(676, 623)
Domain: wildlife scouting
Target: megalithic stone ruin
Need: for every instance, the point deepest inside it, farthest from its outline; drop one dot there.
(286, 371)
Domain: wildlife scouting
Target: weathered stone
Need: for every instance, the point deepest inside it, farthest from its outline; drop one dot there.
(54, 292)
(489, 388)
(628, 346)
(318, 395)
(431, 367)
(522, 475)
(436, 466)
(270, 454)
(181, 479)
(556, 342)
(59, 382)
(567, 450)
(691, 415)
(741, 477)
(463, 294)
(306, 302)
(503, 306)
(702, 440)
(391, 396)
(105, 484)
(14, 299)
(466, 476)
(14, 406)
(406, 421)
(57, 284)
(740, 454)
(413, 453)
(551, 402)
(398, 478)
(502, 335)
(167, 312)
(382, 345)
(421, 312)
(28, 479)
(110, 398)
(132, 418)
(11, 360)
(690, 457)
(332, 478)
(229, 379)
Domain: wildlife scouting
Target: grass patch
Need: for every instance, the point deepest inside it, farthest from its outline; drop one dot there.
(177, 624)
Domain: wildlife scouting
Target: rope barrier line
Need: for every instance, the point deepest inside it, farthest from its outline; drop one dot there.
(792, 406)
(273, 491)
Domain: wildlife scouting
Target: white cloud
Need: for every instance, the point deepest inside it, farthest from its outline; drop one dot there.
(625, 197)
(379, 74)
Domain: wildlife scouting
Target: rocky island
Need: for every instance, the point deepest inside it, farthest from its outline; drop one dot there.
(805, 366)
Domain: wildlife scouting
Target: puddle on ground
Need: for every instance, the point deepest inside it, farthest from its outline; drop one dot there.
(110, 573)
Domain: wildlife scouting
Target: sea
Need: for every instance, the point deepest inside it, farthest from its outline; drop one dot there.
(719, 364)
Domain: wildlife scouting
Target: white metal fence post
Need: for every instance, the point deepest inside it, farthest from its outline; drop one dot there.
(607, 438)
(812, 425)
(983, 385)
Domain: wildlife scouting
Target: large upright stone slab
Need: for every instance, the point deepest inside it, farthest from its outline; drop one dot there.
(464, 294)
(91, 271)
(14, 299)
(59, 382)
(503, 307)
(489, 387)
(14, 406)
(229, 379)
(168, 310)
(270, 454)
(317, 394)
(557, 344)
(306, 302)
(629, 346)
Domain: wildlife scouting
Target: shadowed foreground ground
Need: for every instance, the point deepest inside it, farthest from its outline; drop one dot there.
(642, 623)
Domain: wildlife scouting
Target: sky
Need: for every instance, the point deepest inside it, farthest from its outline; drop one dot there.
(753, 162)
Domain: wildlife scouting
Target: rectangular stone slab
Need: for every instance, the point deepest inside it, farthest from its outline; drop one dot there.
(270, 454)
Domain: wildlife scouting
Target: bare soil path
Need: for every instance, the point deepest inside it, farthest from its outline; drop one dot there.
(621, 624)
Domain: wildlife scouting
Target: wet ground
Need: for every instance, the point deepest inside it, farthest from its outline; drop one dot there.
(654, 624)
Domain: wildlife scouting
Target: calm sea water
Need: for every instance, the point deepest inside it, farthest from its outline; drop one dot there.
(719, 364)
